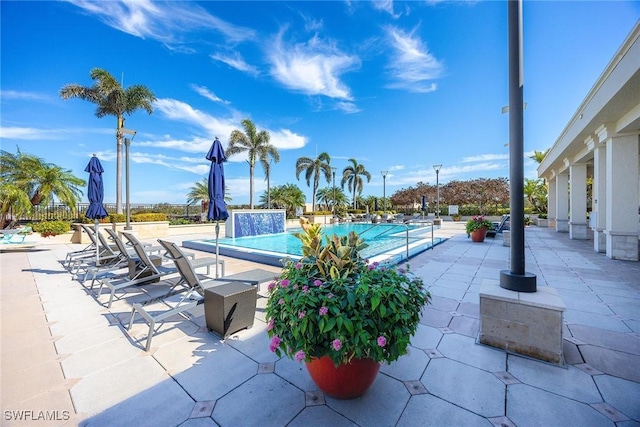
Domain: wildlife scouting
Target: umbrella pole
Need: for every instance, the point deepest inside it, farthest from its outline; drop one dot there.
(96, 225)
(217, 247)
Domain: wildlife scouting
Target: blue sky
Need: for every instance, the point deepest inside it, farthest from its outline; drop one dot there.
(399, 86)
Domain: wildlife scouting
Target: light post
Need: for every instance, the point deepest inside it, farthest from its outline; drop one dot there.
(333, 206)
(437, 169)
(384, 190)
(268, 165)
(127, 142)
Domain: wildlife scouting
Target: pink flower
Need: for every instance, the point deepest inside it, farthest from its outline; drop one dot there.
(323, 311)
(317, 282)
(298, 266)
(305, 289)
(337, 344)
(271, 286)
(275, 342)
(270, 325)
(300, 356)
(281, 301)
(382, 341)
(330, 295)
(284, 283)
(302, 314)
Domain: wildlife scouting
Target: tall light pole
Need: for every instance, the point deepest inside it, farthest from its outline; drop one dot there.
(384, 190)
(268, 186)
(127, 142)
(333, 206)
(437, 169)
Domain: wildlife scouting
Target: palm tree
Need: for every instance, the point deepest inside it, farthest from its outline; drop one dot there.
(27, 180)
(112, 99)
(539, 156)
(288, 197)
(200, 193)
(352, 176)
(331, 195)
(257, 146)
(313, 169)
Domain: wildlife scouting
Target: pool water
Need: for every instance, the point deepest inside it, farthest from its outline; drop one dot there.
(387, 242)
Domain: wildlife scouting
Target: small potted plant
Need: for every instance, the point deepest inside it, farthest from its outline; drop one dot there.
(340, 314)
(477, 228)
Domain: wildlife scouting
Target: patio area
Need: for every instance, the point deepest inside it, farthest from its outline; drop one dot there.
(67, 360)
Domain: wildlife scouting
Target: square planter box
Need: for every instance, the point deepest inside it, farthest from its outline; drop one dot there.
(230, 307)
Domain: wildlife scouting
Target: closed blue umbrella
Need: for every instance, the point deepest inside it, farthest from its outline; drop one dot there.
(217, 206)
(95, 190)
(424, 203)
(375, 205)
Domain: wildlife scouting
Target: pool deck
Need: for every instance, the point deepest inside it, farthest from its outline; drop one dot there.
(66, 357)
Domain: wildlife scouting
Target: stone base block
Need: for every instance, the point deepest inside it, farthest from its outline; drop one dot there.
(599, 241)
(622, 245)
(527, 323)
(578, 231)
(562, 225)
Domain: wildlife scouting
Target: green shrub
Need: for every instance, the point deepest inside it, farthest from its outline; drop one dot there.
(543, 216)
(148, 217)
(143, 217)
(117, 218)
(51, 228)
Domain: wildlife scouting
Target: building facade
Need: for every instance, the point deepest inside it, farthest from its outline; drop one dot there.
(601, 142)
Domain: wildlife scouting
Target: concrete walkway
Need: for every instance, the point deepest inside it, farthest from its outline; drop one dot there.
(66, 358)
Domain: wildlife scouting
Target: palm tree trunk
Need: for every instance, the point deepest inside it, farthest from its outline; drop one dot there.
(251, 167)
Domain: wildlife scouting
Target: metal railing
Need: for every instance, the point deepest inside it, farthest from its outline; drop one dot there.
(404, 225)
(63, 212)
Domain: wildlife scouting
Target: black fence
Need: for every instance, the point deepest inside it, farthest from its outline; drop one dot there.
(63, 212)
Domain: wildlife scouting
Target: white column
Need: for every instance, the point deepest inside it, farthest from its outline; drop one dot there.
(551, 202)
(562, 202)
(622, 198)
(599, 191)
(578, 201)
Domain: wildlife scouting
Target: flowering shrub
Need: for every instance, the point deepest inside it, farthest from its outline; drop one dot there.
(333, 303)
(478, 222)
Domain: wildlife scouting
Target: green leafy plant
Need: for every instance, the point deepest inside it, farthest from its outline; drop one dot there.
(51, 228)
(334, 303)
(477, 222)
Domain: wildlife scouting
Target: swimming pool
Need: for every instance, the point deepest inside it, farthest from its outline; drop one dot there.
(388, 243)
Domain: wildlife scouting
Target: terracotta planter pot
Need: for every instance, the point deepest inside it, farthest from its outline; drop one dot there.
(345, 381)
(479, 235)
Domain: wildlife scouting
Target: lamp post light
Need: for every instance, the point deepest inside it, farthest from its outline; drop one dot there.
(333, 206)
(268, 165)
(384, 190)
(437, 169)
(127, 142)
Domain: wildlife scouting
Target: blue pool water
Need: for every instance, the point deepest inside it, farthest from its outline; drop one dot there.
(387, 243)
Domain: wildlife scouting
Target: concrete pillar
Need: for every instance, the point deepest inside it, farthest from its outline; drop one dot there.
(622, 198)
(599, 192)
(578, 201)
(562, 202)
(551, 202)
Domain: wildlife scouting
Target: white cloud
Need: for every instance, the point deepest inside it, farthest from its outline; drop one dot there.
(411, 64)
(236, 61)
(347, 107)
(313, 67)
(205, 92)
(173, 109)
(162, 21)
(19, 95)
(484, 158)
(31, 134)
